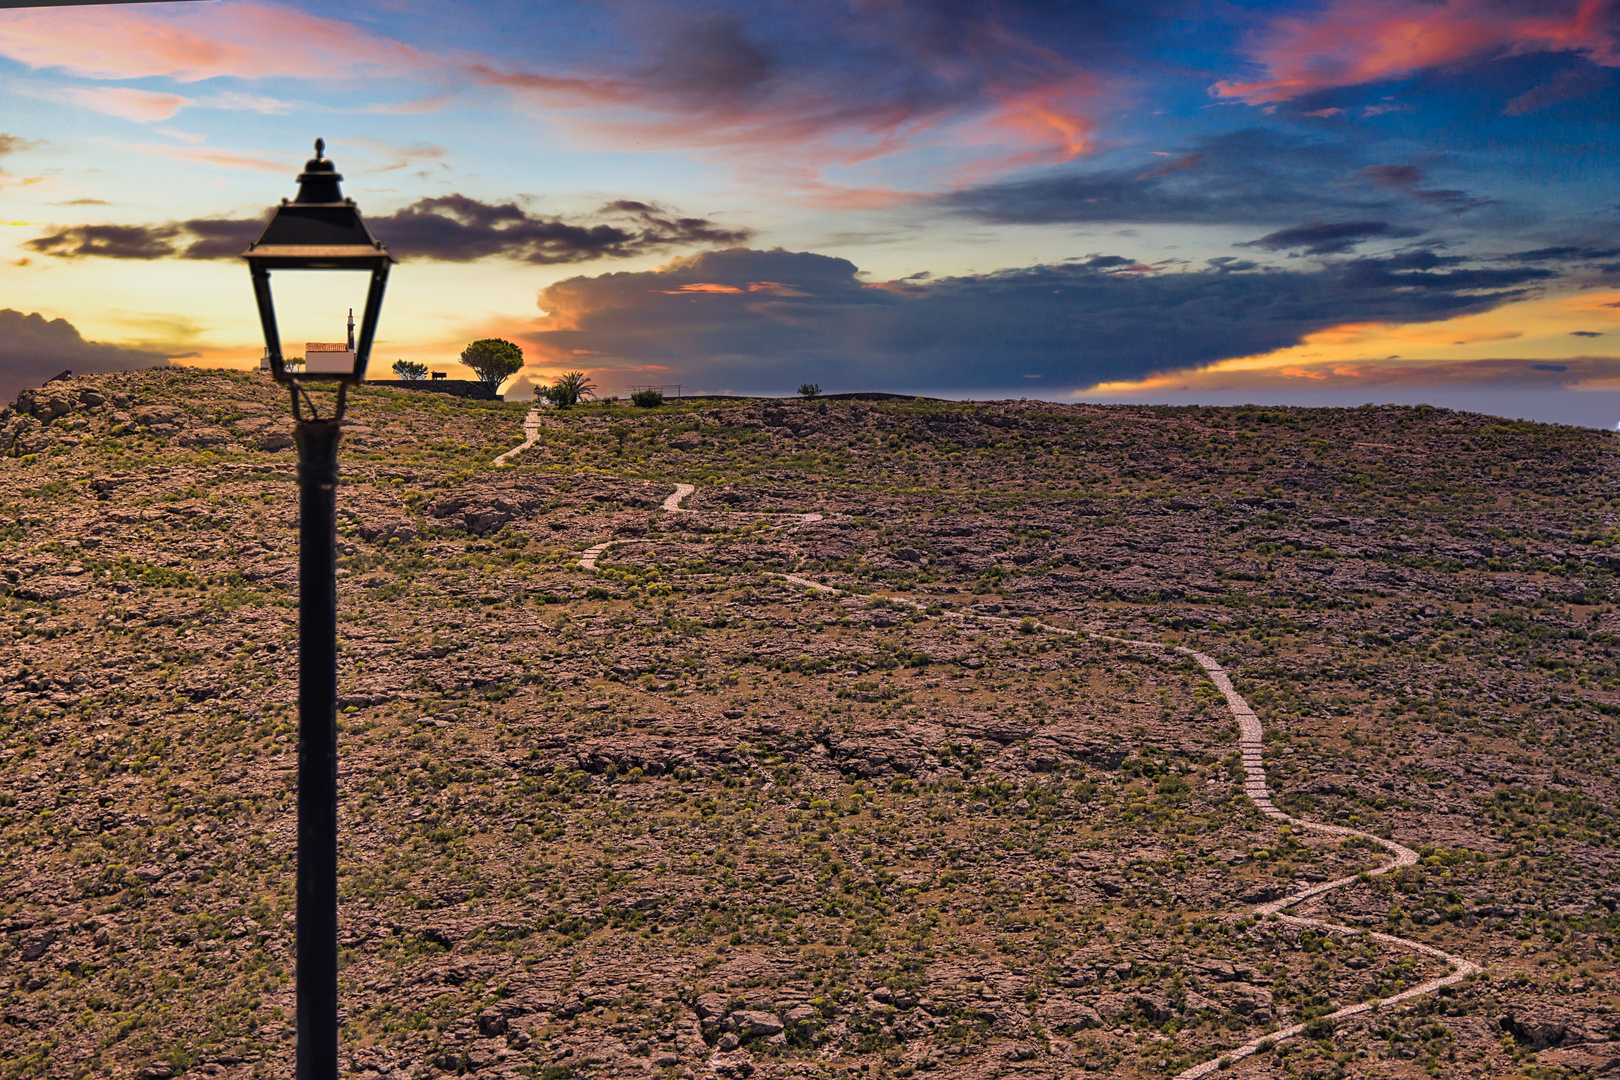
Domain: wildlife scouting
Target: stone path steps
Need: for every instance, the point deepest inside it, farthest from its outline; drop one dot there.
(1251, 739)
(588, 557)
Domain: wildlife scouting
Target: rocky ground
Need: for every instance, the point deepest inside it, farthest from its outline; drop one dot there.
(680, 818)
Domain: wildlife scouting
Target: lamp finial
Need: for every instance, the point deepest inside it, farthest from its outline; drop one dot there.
(320, 147)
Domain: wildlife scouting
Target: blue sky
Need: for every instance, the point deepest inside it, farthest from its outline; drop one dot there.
(1364, 198)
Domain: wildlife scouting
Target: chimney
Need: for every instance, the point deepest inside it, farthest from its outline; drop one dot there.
(351, 329)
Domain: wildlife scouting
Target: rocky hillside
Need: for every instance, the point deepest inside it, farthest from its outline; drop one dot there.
(678, 817)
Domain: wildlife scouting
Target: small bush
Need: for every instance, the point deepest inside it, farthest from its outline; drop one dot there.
(647, 399)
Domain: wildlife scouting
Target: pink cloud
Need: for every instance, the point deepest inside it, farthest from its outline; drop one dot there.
(199, 41)
(131, 104)
(220, 158)
(1353, 42)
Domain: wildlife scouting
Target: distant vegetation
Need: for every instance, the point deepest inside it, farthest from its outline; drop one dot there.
(647, 399)
(410, 371)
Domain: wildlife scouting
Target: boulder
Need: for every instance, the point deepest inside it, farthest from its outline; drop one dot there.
(754, 1023)
(1542, 1025)
(1069, 1016)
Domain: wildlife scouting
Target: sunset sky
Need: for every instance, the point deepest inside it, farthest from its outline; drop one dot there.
(1337, 201)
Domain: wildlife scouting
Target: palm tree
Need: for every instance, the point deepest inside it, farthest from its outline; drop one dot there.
(570, 389)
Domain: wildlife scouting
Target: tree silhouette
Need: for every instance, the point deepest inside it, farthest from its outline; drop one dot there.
(494, 359)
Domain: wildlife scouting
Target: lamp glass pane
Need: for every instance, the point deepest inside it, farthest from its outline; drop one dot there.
(313, 306)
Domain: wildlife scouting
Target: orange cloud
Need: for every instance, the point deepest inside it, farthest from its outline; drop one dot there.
(775, 288)
(701, 287)
(1461, 351)
(1574, 373)
(1363, 41)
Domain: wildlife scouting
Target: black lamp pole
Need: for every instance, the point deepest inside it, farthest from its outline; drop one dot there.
(319, 230)
(317, 1046)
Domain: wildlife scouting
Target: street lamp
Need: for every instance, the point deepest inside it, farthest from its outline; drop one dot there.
(318, 230)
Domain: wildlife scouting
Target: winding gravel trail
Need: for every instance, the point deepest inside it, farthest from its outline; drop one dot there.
(672, 504)
(531, 434)
(1251, 746)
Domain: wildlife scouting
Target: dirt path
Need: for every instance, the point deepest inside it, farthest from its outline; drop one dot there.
(672, 504)
(531, 434)
(1251, 746)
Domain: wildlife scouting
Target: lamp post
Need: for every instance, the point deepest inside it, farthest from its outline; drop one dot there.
(318, 230)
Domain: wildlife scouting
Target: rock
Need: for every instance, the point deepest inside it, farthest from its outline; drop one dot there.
(43, 403)
(1196, 1003)
(491, 1023)
(1542, 1025)
(161, 419)
(1112, 1006)
(204, 436)
(484, 520)
(732, 1063)
(1069, 1016)
(1243, 998)
(1156, 1007)
(712, 1006)
(729, 1041)
(23, 435)
(37, 944)
(751, 1023)
(276, 437)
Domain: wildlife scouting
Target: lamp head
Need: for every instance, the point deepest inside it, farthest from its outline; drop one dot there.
(319, 230)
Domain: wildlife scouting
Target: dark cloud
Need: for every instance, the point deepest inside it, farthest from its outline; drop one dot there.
(33, 349)
(1586, 333)
(1326, 238)
(199, 238)
(1406, 178)
(455, 228)
(711, 57)
(764, 321)
(452, 228)
(1246, 178)
(1568, 253)
(109, 241)
(220, 238)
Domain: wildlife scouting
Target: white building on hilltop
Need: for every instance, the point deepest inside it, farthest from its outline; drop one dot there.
(325, 357)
